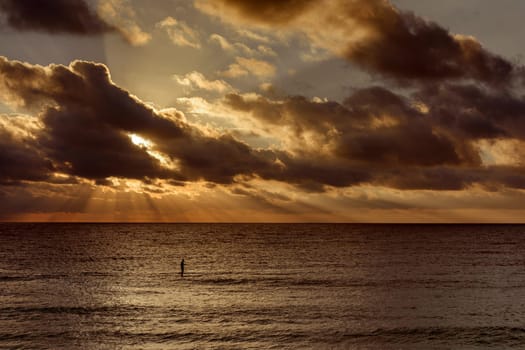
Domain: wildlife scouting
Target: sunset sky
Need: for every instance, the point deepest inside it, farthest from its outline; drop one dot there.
(267, 110)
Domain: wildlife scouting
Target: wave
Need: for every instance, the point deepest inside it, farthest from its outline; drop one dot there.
(503, 337)
(26, 278)
(77, 310)
(296, 281)
(270, 281)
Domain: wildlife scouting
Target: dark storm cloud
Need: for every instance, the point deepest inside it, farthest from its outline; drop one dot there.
(476, 112)
(412, 144)
(87, 120)
(276, 11)
(53, 16)
(437, 122)
(85, 86)
(311, 173)
(378, 37)
(20, 159)
(426, 141)
(217, 159)
(89, 148)
(406, 47)
(432, 178)
(375, 136)
(373, 126)
(458, 178)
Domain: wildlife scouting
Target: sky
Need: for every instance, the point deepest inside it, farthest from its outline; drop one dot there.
(262, 111)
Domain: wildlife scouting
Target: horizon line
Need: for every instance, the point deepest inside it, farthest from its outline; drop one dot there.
(262, 223)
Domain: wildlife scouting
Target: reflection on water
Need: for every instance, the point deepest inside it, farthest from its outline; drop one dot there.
(98, 286)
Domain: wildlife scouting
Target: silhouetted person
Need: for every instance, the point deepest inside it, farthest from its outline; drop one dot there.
(182, 268)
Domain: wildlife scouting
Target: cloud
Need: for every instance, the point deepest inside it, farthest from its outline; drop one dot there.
(86, 127)
(54, 16)
(475, 112)
(180, 33)
(245, 66)
(253, 36)
(222, 42)
(196, 80)
(85, 119)
(20, 158)
(240, 48)
(376, 36)
(373, 127)
(74, 17)
(122, 16)
(266, 51)
(461, 113)
(218, 159)
(438, 139)
(501, 151)
(276, 11)
(233, 48)
(87, 122)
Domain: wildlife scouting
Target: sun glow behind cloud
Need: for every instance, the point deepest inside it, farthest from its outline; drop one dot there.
(150, 149)
(140, 141)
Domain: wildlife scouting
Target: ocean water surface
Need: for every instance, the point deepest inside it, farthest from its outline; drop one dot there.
(261, 286)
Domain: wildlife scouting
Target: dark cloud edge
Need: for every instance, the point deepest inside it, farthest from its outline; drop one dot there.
(54, 16)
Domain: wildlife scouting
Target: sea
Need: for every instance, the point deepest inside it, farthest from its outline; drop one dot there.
(261, 286)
